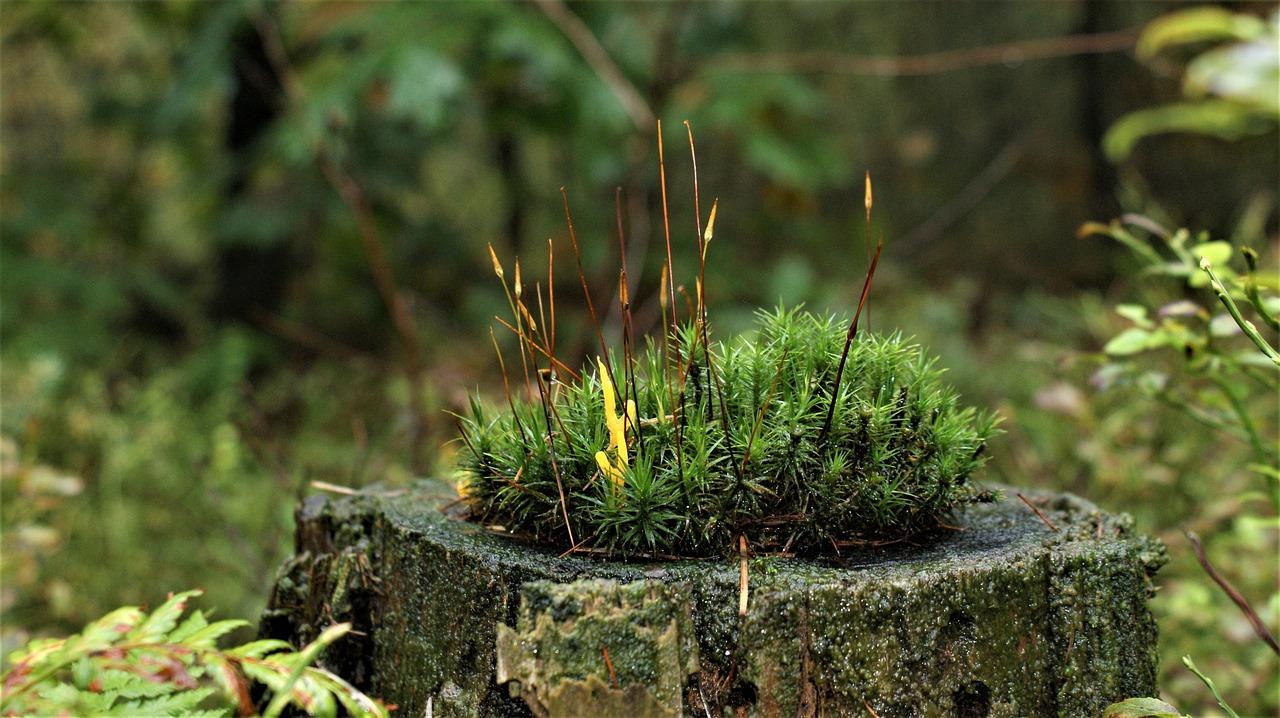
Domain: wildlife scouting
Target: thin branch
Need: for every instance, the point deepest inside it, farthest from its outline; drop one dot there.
(586, 290)
(974, 192)
(304, 336)
(560, 366)
(1236, 597)
(1039, 514)
(671, 287)
(1006, 53)
(600, 62)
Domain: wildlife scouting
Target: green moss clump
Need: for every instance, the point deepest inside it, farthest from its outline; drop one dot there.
(748, 451)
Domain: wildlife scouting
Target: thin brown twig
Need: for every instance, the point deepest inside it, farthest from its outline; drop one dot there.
(521, 313)
(542, 317)
(1038, 513)
(866, 232)
(1236, 597)
(506, 382)
(544, 394)
(624, 300)
(1006, 53)
(700, 290)
(303, 336)
(975, 191)
(599, 60)
(743, 580)
(560, 366)
(334, 488)
(551, 296)
(384, 279)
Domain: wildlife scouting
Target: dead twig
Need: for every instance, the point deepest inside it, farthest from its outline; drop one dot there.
(977, 189)
(1236, 597)
(742, 575)
(334, 488)
(1005, 53)
(600, 62)
(303, 336)
(1038, 513)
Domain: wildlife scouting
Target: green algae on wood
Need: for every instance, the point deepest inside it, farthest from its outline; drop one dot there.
(1001, 618)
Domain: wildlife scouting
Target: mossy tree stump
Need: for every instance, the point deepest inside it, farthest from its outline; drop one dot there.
(1002, 617)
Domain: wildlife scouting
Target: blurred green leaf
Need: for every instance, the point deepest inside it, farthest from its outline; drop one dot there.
(1199, 24)
(1223, 119)
(1135, 313)
(1140, 708)
(1131, 341)
(1218, 252)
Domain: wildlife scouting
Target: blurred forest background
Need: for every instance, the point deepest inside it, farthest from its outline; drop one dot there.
(244, 250)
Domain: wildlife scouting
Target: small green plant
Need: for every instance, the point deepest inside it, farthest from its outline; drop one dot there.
(1222, 356)
(803, 436)
(1229, 369)
(130, 663)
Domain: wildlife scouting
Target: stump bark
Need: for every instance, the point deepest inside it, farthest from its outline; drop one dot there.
(1005, 616)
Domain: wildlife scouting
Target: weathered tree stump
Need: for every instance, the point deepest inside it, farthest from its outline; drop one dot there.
(1005, 616)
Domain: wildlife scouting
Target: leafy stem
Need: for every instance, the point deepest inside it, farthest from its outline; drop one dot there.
(1245, 325)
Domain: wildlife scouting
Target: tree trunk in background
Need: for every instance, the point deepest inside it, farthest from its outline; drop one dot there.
(252, 273)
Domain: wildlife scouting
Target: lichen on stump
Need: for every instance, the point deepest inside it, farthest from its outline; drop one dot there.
(1004, 617)
(564, 632)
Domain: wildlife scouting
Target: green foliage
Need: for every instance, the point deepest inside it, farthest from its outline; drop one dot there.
(1141, 708)
(1224, 355)
(167, 465)
(130, 663)
(1230, 88)
(166, 404)
(744, 453)
(1215, 367)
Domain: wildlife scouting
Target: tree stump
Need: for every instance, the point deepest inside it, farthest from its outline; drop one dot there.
(1011, 614)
